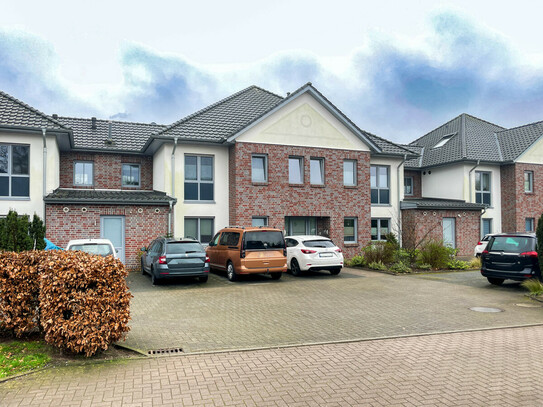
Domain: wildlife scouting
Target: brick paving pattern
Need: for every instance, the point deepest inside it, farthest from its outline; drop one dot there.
(485, 368)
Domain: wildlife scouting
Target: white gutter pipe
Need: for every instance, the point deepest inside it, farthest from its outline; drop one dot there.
(44, 131)
(399, 194)
(469, 183)
(171, 216)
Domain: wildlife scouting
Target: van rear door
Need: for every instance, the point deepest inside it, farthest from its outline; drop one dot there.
(264, 249)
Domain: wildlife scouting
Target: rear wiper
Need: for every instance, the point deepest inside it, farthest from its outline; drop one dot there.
(191, 251)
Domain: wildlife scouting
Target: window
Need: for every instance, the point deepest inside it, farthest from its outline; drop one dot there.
(482, 188)
(528, 181)
(380, 189)
(379, 228)
(14, 171)
(444, 140)
(349, 173)
(300, 225)
(83, 173)
(487, 227)
(316, 171)
(131, 175)
(349, 230)
(229, 239)
(260, 221)
(291, 242)
(408, 186)
(530, 224)
(296, 170)
(259, 168)
(198, 178)
(200, 229)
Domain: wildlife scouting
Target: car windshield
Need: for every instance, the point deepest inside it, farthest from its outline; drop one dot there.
(262, 240)
(319, 243)
(183, 247)
(512, 244)
(101, 249)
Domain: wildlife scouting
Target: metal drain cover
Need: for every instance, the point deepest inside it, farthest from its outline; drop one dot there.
(485, 309)
(171, 351)
(527, 305)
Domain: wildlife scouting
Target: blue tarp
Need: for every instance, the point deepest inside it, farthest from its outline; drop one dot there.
(50, 245)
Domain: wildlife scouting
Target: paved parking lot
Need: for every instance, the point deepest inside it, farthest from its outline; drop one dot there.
(259, 312)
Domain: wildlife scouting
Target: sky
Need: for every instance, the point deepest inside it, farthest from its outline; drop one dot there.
(397, 69)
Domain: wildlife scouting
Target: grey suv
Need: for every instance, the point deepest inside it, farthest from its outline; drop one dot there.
(510, 256)
(169, 258)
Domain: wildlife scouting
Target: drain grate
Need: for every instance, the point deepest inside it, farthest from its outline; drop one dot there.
(485, 309)
(165, 352)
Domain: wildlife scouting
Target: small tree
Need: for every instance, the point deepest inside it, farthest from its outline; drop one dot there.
(539, 235)
(37, 233)
(17, 234)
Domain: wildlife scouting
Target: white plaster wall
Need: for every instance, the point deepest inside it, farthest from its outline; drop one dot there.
(448, 182)
(534, 155)
(162, 169)
(493, 212)
(390, 211)
(303, 122)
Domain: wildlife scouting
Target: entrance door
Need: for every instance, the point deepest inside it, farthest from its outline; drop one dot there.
(449, 232)
(112, 228)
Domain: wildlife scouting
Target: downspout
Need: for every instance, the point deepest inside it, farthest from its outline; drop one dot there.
(171, 216)
(399, 206)
(44, 130)
(469, 178)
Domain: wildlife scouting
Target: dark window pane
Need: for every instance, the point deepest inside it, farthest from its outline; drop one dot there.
(20, 186)
(206, 192)
(4, 186)
(4, 159)
(206, 168)
(384, 196)
(206, 230)
(190, 167)
(478, 197)
(20, 159)
(486, 199)
(131, 174)
(374, 196)
(191, 191)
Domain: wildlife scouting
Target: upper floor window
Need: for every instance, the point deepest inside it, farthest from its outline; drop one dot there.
(198, 178)
(131, 175)
(14, 170)
(259, 168)
(316, 171)
(482, 188)
(295, 170)
(84, 173)
(349, 173)
(200, 229)
(380, 185)
(408, 186)
(528, 181)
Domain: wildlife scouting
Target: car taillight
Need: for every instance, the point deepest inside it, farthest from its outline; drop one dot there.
(339, 250)
(162, 260)
(485, 251)
(479, 243)
(307, 251)
(284, 251)
(529, 254)
(207, 259)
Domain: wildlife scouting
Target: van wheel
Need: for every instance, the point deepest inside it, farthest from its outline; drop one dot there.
(335, 271)
(275, 276)
(142, 268)
(495, 281)
(295, 268)
(230, 272)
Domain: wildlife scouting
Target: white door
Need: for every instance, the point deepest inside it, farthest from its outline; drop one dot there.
(449, 232)
(112, 228)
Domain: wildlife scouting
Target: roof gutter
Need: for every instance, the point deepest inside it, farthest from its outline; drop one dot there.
(399, 194)
(469, 182)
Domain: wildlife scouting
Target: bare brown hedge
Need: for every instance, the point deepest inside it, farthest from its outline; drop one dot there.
(79, 301)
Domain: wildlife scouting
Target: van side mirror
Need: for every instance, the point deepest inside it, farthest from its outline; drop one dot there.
(144, 249)
(211, 243)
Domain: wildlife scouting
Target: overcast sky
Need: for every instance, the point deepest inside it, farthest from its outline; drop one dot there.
(398, 69)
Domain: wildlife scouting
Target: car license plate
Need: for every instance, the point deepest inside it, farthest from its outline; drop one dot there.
(326, 254)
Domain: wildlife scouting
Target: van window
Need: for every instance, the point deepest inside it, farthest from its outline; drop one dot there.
(229, 239)
(262, 240)
(512, 244)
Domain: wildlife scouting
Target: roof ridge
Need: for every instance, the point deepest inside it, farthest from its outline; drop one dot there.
(113, 121)
(33, 109)
(483, 120)
(500, 155)
(518, 127)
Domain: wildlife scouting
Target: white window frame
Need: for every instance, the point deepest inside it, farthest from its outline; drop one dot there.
(301, 165)
(82, 184)
(380, 236)
(530, 181)
(199, 228)
(378, 188)
(264, 157)
(405, 178)
(198, 181)
(354, 164)
(139, 175)
(355, 229)
(532, 224)
(320, 162)
(9, 174)
(481, 191)
(264, 218)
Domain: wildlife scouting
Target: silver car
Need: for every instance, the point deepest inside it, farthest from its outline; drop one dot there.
(170, 258)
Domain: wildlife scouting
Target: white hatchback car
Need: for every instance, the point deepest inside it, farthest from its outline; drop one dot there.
(313, 253)
(481, 245)
(101, 247)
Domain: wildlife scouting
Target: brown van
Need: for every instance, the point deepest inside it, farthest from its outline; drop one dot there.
(248, 251)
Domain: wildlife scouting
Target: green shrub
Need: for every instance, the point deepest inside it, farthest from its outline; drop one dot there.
(377, 265)
(436, 254)
(400, 267)
(379, 252)
(424, 266)
(402, 256)
(475, 263)
(455, 264)
(357, 261)
(534, 286)
(391, 239)
(18, 234)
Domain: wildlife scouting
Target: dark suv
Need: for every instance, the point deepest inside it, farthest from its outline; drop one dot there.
(510, 256)
(167, 258)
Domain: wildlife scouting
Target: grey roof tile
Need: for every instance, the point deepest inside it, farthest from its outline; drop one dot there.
(14, 113)
(515, 141)
(434, 203)
(92, 196)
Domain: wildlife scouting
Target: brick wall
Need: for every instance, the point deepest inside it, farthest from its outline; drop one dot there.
(417, 185)
(419, 225)
(107, 169)
(277, 199)
(140, 227)
(518, 205)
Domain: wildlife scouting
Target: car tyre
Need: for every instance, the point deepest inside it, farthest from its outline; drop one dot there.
(231, 272)
(495, 281)
(142, 268)
(203, 279)
(154, 280)
(276, 276)
(335, 271)
(295, 268)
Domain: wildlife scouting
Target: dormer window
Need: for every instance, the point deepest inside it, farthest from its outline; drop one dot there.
(444, 140)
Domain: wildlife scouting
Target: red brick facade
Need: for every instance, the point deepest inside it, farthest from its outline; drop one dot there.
(517, 205)
(142, 225)
(419, 225)
(417, 183)
(277, 199)
(107, 170)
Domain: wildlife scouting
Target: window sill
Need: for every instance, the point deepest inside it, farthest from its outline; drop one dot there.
(131, 186)
(529, 193)
(14, 198)
(199, 202)
(296, 185)
(350, 244)
(350, 186)
(381, 205)
(260, 183)
(317, 185)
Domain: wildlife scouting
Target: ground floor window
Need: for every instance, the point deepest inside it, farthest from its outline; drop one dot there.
(301, 225)
(260, 221)
(379, 228)
(349, 230)
(530, 223)
(487, 227)
(200, 229)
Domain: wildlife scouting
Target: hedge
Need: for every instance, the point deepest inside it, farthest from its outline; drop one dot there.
(78, 301)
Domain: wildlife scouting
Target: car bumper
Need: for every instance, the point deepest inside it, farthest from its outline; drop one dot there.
(165, 272)
(261, 270)
(320, 264)
(509, 275)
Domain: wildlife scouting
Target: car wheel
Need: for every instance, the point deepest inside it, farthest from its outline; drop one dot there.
(495, 281)
(276, 276)
(231, 272)
(203, 279)
(295, 268)
(154, 279)
(142, 268)
(335, 271)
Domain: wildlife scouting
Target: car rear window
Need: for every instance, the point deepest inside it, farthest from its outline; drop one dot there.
(319, 243)
(183, 247)
(100, 249)
(512, 244)
(262, 240)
